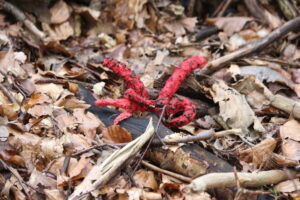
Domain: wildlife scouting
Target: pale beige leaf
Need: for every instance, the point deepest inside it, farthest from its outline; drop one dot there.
(59, 12)
(291, 149)
(234, 108)
(290, 130)
(231, 25)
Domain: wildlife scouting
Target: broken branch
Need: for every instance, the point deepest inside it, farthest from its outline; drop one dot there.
(218, 63)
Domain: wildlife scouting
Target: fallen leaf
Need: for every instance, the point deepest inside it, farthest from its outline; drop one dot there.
(145, 179)
(290, 130)
(288, 186)
(117, 134)
(54, 194)
(234, 108)
(59, 12)
(291, 149)
(260, 154)
(9, 110)
(41, 110)
(76, 172)
(266, 74)
(88, 123)
(51, 89)
(231, 25)
(39, 178)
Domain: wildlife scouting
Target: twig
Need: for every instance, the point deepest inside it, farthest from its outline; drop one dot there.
(255, 179)
(61, 81)
(95, 147)
(18, 177)
(19, 15)
(250, 48)
(7, 93)
(150, 141)
(221, 13)
(163, 171)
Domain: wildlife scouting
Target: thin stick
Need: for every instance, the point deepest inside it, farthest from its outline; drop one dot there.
(163, 171)
(221, 13)
(7, 93)
(150, 141)
(18, 177)
(61, 81)
(19, 15)
(250, 48)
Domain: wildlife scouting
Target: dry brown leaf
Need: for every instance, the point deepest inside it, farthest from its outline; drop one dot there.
(291, 149)
(39, 178)
(59, 12)
(260, 153)
(9, 154)
(59, 31)
(145, 179)
(234, 108)
(10, 61)
(41, 110)
(37, 98)
(88, 122)
(127, 13)
(9, 110)
(69, 101)
(66, 122)
(51, 89)
(231, 25)
(54, 194)
(117, 134)
(290, 130)
(81, 169)
(288, 186)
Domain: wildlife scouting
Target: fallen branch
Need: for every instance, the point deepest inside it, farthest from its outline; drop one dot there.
(218, 63)
(101, 174)
(201, 136)
(20, 16)
(256, 179)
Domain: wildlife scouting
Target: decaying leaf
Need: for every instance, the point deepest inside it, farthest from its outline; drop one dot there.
(288, 186)
(260, 154)
(234, 108)
(59, 12)
(291, 149)
(145, 179)
(231, 25)
(290, 130)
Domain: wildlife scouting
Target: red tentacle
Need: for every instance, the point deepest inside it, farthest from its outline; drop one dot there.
(173, 83)
(125, 104)
(131, 80)
(122, 116)
(181, 105)
(147, 104)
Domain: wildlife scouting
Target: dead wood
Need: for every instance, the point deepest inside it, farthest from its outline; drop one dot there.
(255, 179)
